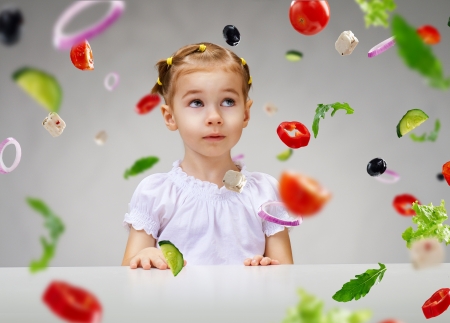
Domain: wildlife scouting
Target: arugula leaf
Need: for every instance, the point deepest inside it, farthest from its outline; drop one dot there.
(429, 220)
(140, 166)
(417, 55)
(323, 108)
(431, 137)
(55, 226)
(359, 287)
(376, 11)
(310, 310)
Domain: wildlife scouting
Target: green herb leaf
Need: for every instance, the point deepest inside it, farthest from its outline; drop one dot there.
(359, 287)
(323, 108)
(431, 137)
(376, 11)
(429, 220)
(140, 166)
(417, 55)
(55, 226)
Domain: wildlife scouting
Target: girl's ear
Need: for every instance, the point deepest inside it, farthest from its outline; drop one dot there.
(248, 105)
(169, 117)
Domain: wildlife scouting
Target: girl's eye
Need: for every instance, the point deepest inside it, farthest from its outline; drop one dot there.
(195, 104)
(229, 102)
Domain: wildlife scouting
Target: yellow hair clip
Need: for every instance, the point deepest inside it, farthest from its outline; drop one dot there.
(202, 48)
(158, 81)
(243, 61)
(250, 80)
(169, 61)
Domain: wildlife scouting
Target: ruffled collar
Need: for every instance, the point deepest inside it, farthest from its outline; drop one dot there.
(203, 187)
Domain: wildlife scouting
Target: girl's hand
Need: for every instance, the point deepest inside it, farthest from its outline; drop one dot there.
(260, 260)
(150, 257)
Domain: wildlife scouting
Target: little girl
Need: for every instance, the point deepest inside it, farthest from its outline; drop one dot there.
(205, 89)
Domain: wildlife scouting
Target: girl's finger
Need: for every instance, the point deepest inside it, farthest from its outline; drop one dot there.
(160, 263)
(256, 260)
(247, 262)
(275, 262)
(145, 263)
(266, 261)
(134, 263)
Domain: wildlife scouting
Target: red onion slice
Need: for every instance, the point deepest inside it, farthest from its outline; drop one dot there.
(238, 157)
(266, 216)
(3, 145)
(63, 41)
(393, 179)
(115, 78)
(382, 47)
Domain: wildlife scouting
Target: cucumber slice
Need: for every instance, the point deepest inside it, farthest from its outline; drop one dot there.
(41, 86)
(285, 154)
(294, 56)
(412, 119)
(173, 256)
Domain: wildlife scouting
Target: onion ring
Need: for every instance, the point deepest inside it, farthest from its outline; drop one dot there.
(63, 41)
(113, 75)
(270, 218)
(237, 157)
(381, 47)
(395, 177)
(3, 145)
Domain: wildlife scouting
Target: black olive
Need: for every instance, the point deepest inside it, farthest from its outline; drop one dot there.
(231, 35)
(11, 21)
(440, 176)
(376, 167)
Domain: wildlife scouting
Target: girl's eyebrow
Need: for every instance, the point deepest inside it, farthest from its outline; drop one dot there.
(195, 91)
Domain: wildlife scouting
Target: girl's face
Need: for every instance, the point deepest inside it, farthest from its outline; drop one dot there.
(208, 103)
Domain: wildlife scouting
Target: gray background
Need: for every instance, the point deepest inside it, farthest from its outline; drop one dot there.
(83, 183)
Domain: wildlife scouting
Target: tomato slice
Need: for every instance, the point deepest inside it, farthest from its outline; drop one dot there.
(309, 17)
(147, 103)
(402, 204)
(72, 303)
(301, 138)
(302, 195)
(82, 57)
(437, 303)
(429, 34)
(446, 171)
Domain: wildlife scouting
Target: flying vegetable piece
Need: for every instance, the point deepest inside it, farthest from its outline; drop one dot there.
(309, 17)
(301, 137)
(72, 303)
(293, 56)
(426, 253)
(431, 137)
(234, 181)
(446, 172)
(346, 43)
(437, 303)
(147, 103)
(417, 55)
(140, 166)
(11, 20)
(359, 287)
(285, 155)
(323, 108)
(173, 256)
(270, 109)
(54, 124)
(440, 177)
(429, 34)
(429, 220)
(231, 35)
(376, 167)
(403, 204)
(82, 57)
(41, 86)
(412, 119)
(54, 224)
(310, 310)
(101, 137)
(376, 11)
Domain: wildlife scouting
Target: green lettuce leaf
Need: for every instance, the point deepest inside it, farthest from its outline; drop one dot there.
(56, 228)
(376, 11)
(429, 220)
(323, 108)
(140, 166)
(417, 55)
(359, 287)
(431, 137)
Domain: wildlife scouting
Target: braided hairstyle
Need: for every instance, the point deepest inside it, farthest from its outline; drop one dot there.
(197, 57)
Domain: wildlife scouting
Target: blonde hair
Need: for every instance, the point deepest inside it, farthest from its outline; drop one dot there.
(193, 58)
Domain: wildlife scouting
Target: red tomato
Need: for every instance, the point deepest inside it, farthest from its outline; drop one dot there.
(446, 171)
(302, 195)
(309, 17)
(429, 34)
(72, 303)
(147, 103)
(82, 57)
(391, 321)
(402, 203)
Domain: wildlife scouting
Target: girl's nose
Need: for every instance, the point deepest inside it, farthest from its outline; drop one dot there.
(213, 116)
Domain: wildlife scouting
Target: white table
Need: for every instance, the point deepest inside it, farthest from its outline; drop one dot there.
(217, 294)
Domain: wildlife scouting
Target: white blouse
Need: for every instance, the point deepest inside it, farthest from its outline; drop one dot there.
(210, 226)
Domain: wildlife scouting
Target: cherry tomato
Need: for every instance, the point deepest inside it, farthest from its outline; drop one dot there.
(309, 17)
(147, 103)
(402, 204)
(446, 171)
(82, 57)
(391, 321)
(437, 303)
(429, 34)
(72, 303)
(302, 195)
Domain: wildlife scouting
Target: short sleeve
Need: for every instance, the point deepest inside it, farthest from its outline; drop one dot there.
(269, 192)
(142, 209)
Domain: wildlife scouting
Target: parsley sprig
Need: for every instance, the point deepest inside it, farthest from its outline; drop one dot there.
(323, 108)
